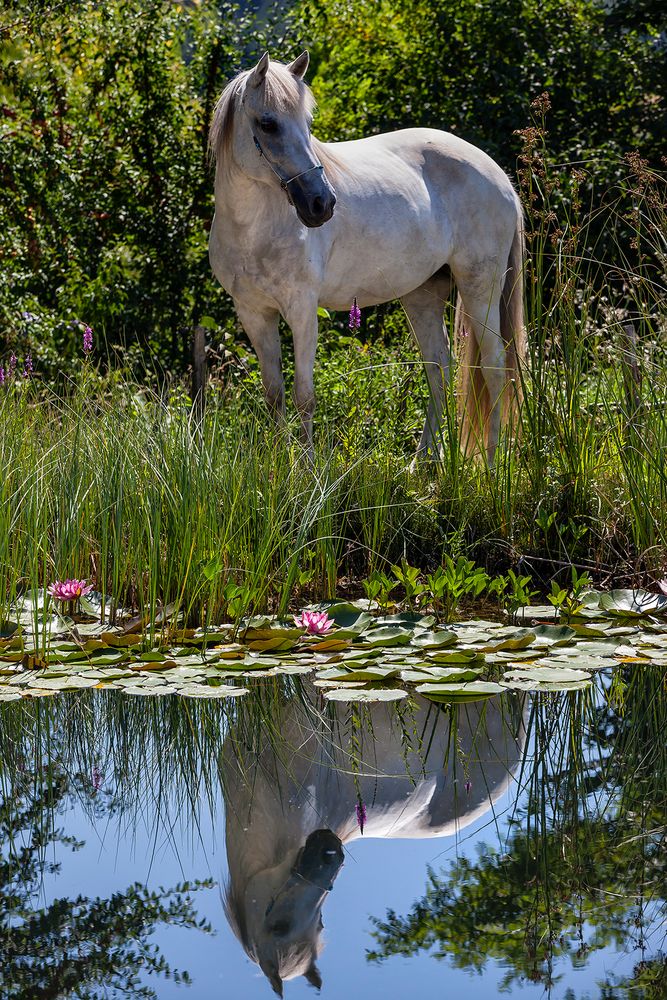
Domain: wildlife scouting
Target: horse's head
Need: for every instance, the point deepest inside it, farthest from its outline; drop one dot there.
(270, 110)
(281, 922)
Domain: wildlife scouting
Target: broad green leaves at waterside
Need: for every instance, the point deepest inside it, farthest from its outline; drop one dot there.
(363, 658)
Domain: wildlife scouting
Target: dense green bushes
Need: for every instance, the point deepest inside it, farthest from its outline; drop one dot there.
(105, 189)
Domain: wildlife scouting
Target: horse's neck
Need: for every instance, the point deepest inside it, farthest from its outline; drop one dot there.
(270, 810)
(246, 202)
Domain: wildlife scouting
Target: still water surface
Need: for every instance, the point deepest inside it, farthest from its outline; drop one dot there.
(542, 821)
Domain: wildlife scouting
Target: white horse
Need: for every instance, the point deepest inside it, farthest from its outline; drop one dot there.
(413, 209)
(291, 808)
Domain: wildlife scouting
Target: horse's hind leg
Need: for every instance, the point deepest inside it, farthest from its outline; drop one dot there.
(261, 327)
(424, 308)
(481, 316)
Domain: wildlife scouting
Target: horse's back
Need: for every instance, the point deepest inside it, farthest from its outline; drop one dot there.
(428, 151)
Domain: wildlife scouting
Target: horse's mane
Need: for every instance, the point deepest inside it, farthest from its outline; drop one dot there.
(284, 92)
(234, 907)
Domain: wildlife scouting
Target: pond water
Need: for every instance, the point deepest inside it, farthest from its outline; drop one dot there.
(515, 843)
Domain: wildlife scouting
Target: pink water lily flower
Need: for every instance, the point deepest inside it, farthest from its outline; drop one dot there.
(314, 622)
(69, 590)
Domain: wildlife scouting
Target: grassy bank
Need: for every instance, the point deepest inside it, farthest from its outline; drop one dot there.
(119, 483)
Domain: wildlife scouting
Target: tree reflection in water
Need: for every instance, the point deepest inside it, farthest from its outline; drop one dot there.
(81, 947)
(585, 863)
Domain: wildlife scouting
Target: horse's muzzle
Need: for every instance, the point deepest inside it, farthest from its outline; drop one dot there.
(320, 859)
(314, 209)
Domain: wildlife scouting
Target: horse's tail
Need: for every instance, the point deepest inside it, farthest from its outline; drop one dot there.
(474, 400)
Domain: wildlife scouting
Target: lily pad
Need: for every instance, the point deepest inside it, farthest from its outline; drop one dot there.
(347, 614)
(435, 640)
(207, 691)
(546, 675)
(455, 656)
(633, 603)
(389, 636)
(471, 691)
(9, 695)
(553, 635)
(363, 695)
(66, 683)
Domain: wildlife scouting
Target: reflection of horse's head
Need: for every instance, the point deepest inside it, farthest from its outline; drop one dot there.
(292, 803)
(279, 918)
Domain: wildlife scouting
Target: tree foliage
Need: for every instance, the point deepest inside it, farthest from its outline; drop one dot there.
(583, 869)
(91, 948)
(474, 66)
(105, 186)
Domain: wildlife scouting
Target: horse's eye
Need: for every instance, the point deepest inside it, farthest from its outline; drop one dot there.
(268, 125)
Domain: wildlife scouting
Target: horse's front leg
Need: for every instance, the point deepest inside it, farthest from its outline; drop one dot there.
(261, 327)
(303, 323)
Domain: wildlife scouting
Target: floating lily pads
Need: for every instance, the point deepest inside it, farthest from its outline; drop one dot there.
(443, 663)
(547, 675)
(434, 640)
(391, 635)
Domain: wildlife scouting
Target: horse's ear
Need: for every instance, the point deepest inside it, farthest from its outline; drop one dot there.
(300, 65)
(313, 976)
(259, 72)
(271, 972)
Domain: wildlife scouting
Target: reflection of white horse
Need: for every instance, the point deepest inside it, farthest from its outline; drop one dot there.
(291, 808)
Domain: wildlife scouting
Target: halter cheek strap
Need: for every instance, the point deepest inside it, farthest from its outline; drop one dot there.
(284, 181)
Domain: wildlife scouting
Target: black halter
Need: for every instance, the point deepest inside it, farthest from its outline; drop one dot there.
(284, 181)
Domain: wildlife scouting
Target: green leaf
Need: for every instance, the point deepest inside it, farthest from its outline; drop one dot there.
(460, 692)
(208, 322)
(633, 603)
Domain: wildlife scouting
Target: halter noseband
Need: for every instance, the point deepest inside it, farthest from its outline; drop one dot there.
(284, 181)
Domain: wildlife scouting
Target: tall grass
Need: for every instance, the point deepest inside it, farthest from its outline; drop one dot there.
(111, 481)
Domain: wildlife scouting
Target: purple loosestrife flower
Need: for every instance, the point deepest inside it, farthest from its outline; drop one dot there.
(2, 375)
(97, 777)
(69, 590)
(314, 622)
(355, 316)
(87, 340)
(12, 365)
(361, 816)
(468, 786)
(27, 366)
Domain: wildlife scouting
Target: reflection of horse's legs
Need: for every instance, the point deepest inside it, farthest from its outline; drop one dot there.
(481, 311)
(262, 329)
(303, 323)
(424, 308)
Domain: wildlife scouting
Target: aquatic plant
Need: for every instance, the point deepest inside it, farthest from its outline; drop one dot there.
(314, 622)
